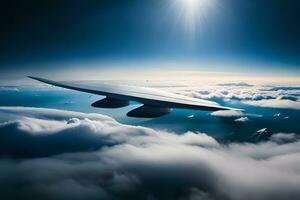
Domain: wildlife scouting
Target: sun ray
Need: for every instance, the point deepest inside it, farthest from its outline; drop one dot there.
(193, 13)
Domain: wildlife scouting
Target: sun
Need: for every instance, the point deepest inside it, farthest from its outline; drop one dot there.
(193, 12)
(193, 4)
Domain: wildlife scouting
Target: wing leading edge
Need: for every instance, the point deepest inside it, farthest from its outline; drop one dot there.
(157, 101)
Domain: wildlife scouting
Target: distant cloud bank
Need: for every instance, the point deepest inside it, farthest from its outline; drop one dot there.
(253, 95)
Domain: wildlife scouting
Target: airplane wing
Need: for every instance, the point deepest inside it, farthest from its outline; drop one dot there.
(155, 102)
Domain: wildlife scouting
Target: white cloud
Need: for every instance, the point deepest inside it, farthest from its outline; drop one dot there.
(242, 119)
(256, 95)
(275, 103)
(262, 131)
(284, 137)
(228, 113)
(9, 88)
(93, 156)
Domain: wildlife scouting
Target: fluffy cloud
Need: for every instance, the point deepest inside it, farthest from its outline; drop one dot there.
(91, 156)
(270, 96)
(242, 119)
(275, 103)
(284, 138)
(254, 95)
(228, 113)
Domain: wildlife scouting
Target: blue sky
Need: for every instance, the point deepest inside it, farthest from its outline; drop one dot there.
(229, 35)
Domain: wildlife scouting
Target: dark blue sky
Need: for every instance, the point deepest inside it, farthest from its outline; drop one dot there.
(239, 31)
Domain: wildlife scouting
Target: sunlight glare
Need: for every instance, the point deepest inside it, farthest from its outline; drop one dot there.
(193, 12)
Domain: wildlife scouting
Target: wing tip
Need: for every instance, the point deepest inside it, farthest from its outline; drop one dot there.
(47, 81)
(43, 80)
(35, 78)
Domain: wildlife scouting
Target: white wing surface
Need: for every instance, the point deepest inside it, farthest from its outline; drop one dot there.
(156, 102)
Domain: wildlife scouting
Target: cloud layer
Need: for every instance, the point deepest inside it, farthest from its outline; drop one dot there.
(69, 155)
(254, 95)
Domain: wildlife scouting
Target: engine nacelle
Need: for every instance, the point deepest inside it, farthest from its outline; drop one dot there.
(109, 102)
(147, 111)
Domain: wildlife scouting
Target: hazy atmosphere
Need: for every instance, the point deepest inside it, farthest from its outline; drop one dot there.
(237, 60)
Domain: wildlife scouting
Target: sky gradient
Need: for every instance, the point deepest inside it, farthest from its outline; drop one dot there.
(228, 35)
